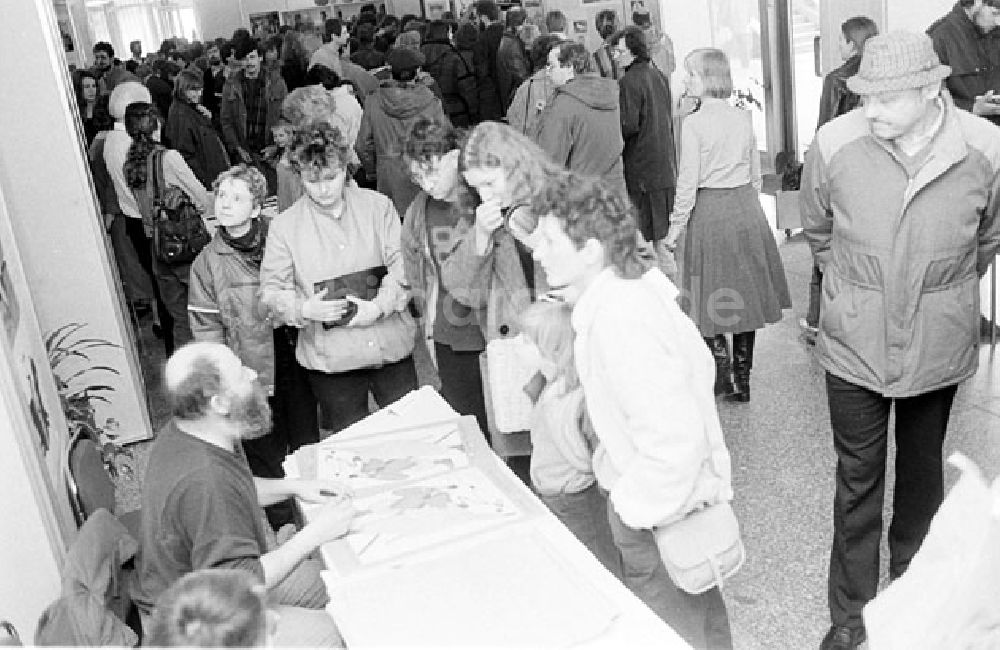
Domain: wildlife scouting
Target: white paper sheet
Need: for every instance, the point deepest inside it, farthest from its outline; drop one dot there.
(385, 460)
(512, 589)
(422, 514)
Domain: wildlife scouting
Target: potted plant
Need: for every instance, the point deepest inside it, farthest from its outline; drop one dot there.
(80, 389)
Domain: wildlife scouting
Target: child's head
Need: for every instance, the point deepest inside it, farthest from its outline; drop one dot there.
(546, 323)
(855, 32)
(284, 133)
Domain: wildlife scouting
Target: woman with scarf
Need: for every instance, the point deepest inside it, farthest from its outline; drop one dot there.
(224, 306)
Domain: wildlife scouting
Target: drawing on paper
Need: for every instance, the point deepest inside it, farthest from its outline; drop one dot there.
(407, 456)
(422, 514)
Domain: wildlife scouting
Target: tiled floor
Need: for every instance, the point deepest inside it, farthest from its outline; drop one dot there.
(783, 464)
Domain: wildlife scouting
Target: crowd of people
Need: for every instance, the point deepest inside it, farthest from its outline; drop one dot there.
(443, 184)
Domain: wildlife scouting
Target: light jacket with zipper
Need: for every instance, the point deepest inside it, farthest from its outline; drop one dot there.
(224, 306)
(901, 256)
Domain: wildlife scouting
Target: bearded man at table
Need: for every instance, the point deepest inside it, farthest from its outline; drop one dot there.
(202, 508)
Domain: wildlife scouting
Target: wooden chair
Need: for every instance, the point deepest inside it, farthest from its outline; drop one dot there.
(506, 444)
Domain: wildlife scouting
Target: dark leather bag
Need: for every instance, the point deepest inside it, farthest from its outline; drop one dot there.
(179, 233)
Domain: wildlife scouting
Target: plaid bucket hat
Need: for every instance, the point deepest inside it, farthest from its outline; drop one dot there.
(897, 61)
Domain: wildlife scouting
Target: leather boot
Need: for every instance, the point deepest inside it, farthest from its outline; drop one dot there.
(723, 368)
(742, 362)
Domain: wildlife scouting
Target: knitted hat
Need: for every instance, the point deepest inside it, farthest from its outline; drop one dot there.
(405, 58)
(897, 61)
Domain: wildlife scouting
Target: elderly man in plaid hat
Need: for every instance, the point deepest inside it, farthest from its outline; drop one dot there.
(899, 204)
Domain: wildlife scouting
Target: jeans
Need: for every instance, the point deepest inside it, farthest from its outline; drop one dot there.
(585, 514)
(860, 422)
(701, 619)
(461, 383)
(343, 396)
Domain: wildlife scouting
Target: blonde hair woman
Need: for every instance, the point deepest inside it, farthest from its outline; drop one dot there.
(731, 275)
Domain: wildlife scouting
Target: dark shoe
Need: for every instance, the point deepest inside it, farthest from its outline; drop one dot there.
(841, 637)
(723, 367)
(742, 362)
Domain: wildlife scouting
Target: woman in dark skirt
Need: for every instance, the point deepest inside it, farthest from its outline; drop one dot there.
(732, 277)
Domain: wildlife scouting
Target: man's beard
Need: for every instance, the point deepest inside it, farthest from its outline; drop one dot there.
(253, 413)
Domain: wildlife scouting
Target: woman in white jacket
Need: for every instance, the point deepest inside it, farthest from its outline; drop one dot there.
(647, 378)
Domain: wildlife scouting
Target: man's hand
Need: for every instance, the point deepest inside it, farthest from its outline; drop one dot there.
(319, 491)
(987, 105)
(368, 312)
(331, 521)
(244, 155)
(323, 311)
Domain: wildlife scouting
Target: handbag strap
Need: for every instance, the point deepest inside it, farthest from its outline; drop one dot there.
(156, 172)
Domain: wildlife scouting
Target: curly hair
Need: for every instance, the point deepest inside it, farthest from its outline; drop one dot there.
(547, 324)
(255, 181)
(319, 146)
(141, 121)
(588, 209)
(211, 608)
(527, 169)
(429, 138)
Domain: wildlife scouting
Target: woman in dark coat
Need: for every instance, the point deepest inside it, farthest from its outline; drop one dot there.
(189, 129)
(455, 76)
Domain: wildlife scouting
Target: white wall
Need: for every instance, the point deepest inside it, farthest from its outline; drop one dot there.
(915, 16)
(219, 17)
(50, 196)
(29, 562)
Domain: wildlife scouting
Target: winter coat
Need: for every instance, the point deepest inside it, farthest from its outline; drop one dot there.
(647, 128)
(456, 79)
(224, 306)
(529, 103)
(512, 67)
(493, 283)
(901, 257)
(836, 98)
(581, 129)
(389, 115)
(193, 135)
(974, 57)
(490, 106)
(233, 111)
(94, 602)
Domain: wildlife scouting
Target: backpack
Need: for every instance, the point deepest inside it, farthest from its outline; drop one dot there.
(179, 233)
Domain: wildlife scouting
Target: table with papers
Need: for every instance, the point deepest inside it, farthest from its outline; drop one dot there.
(449, 548)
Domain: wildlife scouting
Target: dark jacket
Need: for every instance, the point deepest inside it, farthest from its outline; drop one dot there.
(233, 112)
(974, 57)
(836, 98)
(490, 106)
(647, 128)
(456, 79)
(193, 135)
(389, 114)
(581, 128)
(368, 58)
(162, 93)
(211, 95)
(512, 67)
